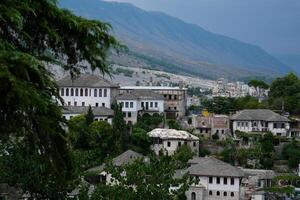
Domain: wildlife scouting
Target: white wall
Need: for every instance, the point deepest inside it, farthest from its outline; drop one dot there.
(96, 118)
(174, 145)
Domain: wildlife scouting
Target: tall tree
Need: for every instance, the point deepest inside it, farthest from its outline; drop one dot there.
(89, 117)
(34, 34)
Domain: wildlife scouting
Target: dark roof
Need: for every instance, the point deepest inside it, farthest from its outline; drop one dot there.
(86, 80)
(140, 95)
(259, 114)
(123, 159)
(97, 111)
(209, 166)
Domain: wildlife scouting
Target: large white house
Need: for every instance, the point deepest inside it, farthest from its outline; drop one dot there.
(87, 90)
(169, 140)
(214, 180)
(260, 120)
(139, 102)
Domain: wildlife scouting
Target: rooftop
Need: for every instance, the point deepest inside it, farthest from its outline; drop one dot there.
(125, 158)
(261, 173)
(171, 134)
(210, 166)
(97, 111)
(140, 95)
(259, 114)
(86, 80)
(150, 88)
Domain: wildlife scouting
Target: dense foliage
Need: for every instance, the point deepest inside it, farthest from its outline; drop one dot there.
(34, 34)
(291, 152)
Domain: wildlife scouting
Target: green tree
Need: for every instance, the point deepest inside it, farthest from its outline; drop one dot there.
(291, 152)
(182, 155)
(173, 124)
(89, 117)
(34, 34)
(140, 141)
(258, 84)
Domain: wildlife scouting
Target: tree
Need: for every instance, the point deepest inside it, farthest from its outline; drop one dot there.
(291, 152)
(173, 124)
(89, 117)
(182, 155)
(258, 84)
(34, 34)
(140, 141)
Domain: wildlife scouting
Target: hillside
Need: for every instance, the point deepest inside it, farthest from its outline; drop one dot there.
(293, 60)
(167, 43)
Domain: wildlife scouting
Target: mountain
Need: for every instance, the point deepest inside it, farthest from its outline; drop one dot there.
(293, 60)
(159, 41)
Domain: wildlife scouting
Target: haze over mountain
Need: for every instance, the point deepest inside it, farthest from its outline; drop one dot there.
(169, 44)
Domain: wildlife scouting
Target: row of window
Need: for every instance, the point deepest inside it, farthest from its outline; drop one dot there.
(218, 193)
(180, 143)
(170, 97)
(128, 114)
(143, 104)
(83, 104)
(82, 92)
(218, 180)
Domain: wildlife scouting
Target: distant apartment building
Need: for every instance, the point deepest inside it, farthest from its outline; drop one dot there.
(139, 102)
(212, 125)
(168, 141)
(87, 90)
(260, 120)
(214, 180)
(174, 98)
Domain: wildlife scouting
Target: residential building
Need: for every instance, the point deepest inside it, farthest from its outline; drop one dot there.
(175, 98)
(212, 125)
(193, 101)
(87, 90)
(255, 181)
(100, 113)
(168, 141)
(295, 127)
(260, 120)
(138, 102)
(215, 180)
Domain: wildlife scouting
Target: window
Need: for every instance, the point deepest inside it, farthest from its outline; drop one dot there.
(225, 194)
(210, 193)
(81, 92)
(232, 181)
(169, 144)
(193, 196)
(122, 104)
(151, 104)
(179, 144)
(217, 131)
(232, 194)
(238, 124)
(218, 193)
(124, 114)
(86, 92)
(62, 92)
(142, 104)
(282, 125)
(175, 108)
(72, 92)
(82, 103)
(275, 125)
(129, 114)
(194, 144)
(95, 92)
(103, 104)
(218, 180)
(96, 104)
(105, 93)
(170, 97)
(76, 92)
(165, 95)
(147, 105)
(222, 131)
(100, 92)
(210, 179)
(175, 97)
(126, 104)
(156, 104)
(69, 103)
(75, 103)
(67, 92)
(225, 181)
(131, 104)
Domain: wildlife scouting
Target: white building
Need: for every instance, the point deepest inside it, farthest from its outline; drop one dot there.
(215, 180)
(100, 113)
(260, 120)
(138, 102)
(169, 140)
(175, 98)
(87, 90)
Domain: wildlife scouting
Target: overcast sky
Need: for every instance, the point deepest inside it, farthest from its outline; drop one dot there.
(271, 24)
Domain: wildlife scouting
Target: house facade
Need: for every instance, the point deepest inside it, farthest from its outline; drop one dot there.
(87, 90)
(139, 102)
(175, 98)
(168, 141)
(214, 180)
(260, 120)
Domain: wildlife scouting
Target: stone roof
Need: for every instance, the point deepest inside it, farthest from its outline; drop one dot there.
(260, 173)
(216, 121)
(97, 111)
(123, 159)
(259, 114)
(171, 134)
(140, 95)
(86, 80)
(209, 166)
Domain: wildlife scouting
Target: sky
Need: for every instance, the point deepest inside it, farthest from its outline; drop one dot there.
(271, 24)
